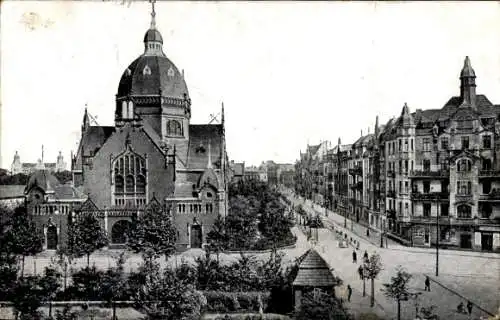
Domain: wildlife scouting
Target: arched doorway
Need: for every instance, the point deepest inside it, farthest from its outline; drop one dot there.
(119, 232)
(196, 236)
(51, 238)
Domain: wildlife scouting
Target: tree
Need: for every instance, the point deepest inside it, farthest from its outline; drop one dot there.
(217, 238)
(50, 284)
(245, 277)
(152, 234)
(114, 284)
(270, 272)
(63, 176)
(241, 223)
(320, 305)
(8, 260)
(85, 237)
(274, 223)
(166, 296)
(373, 266)
(397, 289)
(25, 239)
(27, 297)
(16, 179)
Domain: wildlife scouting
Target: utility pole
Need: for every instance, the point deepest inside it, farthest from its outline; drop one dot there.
(437, 235)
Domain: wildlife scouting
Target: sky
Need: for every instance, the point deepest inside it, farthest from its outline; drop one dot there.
(289, 73)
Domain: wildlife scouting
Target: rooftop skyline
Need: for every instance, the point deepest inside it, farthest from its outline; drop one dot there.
(288, 73)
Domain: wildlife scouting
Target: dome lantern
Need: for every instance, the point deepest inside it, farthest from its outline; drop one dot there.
(153, 41)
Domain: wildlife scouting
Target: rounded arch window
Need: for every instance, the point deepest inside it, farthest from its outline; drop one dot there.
(129, 184)
(141, 184)
(174, 128)
(119, 184)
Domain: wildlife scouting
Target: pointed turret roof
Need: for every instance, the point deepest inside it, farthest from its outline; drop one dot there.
(467, 70)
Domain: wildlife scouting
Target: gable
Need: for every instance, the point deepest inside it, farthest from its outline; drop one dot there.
(204, 140)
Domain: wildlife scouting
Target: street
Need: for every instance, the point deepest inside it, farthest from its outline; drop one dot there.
(463, 275)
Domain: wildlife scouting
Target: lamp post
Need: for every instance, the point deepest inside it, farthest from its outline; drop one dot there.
(382, 235)
(437, 235)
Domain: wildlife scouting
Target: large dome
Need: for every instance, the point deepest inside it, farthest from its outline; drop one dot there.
(150, 74)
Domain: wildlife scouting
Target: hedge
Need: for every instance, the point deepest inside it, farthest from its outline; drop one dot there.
(219, 301)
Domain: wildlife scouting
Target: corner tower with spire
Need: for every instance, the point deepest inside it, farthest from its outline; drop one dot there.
(468, 84)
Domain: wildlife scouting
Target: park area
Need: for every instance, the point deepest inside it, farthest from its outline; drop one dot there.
(245, 271)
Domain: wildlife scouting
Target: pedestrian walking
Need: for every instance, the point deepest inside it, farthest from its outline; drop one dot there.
(354, 257)
(469, 307)
(365, 256)
(368, 232)
(360, 272)
(349, 293)
(427, 284)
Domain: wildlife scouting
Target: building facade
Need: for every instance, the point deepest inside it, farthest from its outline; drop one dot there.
(152, 157)
(425, 177)
(28, 168)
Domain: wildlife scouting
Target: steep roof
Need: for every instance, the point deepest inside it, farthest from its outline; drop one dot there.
(314, 271)
(11, 191)
(183, 190)
(483, 105)
(363, 141)
(92, 140)
(200, 136)
(42, 179)
(67, 192)
(48, 183)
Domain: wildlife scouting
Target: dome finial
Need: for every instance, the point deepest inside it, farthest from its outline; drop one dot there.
(153, 14)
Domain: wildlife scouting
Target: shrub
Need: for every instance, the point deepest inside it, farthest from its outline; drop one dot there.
(219, 301)
(86, 284)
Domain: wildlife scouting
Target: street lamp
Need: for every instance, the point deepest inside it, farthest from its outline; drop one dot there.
(437, 235)
(382, 235)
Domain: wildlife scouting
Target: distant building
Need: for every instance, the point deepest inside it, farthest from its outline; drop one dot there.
(285, 174)
(255, 174)
(238, 171)
(28, 168)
